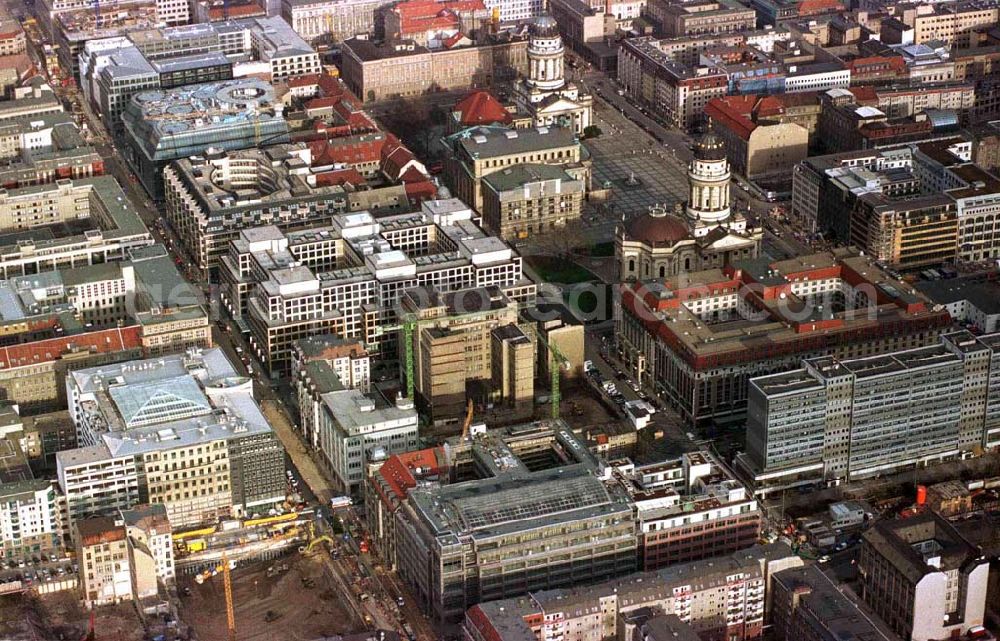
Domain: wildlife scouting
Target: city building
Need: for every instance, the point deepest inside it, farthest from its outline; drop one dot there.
(212, 196)
(970, 301)
(43, 148)
(527, 199)
(347, 278)
(182, 429)
(150, 535)
(354, 429)
(659, 80)
(167, 11)
(73, 29)
(675, 18)
(711, 235)
(838, 420)
(29, 519)
(723, 597)
(463, 337)
(765, 136)
(806, 605)
(481, 109)
(338, 20)
(30, 101)
(12, 39)
(377, 71)
(163, 126)
(322, 364)
(544, 94)
(959, 24)
(922, 578)
(687, 509)
(533, 497)
(481, 151)
(430, 23)
(103, 557)
(697, 339)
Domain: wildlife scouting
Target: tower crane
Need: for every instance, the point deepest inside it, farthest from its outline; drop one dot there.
(227, 582)
(556, 362)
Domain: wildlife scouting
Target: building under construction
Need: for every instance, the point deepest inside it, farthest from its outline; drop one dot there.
(527, 510)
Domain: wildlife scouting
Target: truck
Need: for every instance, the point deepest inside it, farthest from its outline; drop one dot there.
(610, 388)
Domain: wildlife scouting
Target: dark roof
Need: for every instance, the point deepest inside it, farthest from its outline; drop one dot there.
(657, 229)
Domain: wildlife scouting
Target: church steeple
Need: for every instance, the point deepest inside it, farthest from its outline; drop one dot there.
(545, 56)
(708, 178)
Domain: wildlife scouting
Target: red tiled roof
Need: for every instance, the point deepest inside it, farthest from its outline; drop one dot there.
(349, 176)
(864, 94)
(398, 471)
(733, 112)
(451, 41)
(322, 103)
(425, 15)
(237, 11)
(813, 7)
(43, 351)
(418, 192)
(351, 150)
(481, 108)
(304, 81)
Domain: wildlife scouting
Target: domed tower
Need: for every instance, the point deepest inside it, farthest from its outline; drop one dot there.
(545, 56)
(708, 178)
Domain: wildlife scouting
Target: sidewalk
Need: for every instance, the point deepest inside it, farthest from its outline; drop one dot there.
(314, 477)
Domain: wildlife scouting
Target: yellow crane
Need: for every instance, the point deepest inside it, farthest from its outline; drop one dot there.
(227, 581)
(468, 421)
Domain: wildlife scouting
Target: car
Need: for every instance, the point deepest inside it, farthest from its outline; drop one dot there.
(400, 602)
(841, 546)
(823, 559)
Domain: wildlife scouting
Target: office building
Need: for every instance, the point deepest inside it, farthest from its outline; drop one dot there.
(183, 430)
(44, 148)
(959, 24)
(659, 244)
(462, 337)
(687, 509)
(719, 598)
(922, 577)
(347, 278)
(697, 339)
(839, 420)
(354, 429)
(544, 93)
(338, 20)
(676, 19)
(471, 541)
(377, 71)
(292, 187)
(73, 29)
(806, 605)
(479, 152)
(163, 126)
(970, 301)
(12, 39)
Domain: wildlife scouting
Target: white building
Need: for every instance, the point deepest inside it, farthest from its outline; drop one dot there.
(150, 534)
(351, 426)
(816, 77)
(340, 19)
(29, 519)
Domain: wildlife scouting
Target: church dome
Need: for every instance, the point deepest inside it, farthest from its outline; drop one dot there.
(709, 147)
(656, 228)
(545, 26)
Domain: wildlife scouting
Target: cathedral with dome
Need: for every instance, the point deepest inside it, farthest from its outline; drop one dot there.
(545, 95)
(705, 234)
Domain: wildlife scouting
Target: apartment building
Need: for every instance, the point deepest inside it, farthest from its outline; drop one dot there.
(524, 200)
(838, 303)
(959, 24)
(464, 336)
(103, 558)
(428, 23)
(724, 597)
(907, 231)
(44, 148)
(480, 152)
(687, 509)
(377, 71)
(322, 364)
(29, 519)
(838, 420)
(182, 430)
(150, 533)
(347, 278)
(472, 541)
(12, 39)
(922, 577)
(677, 91)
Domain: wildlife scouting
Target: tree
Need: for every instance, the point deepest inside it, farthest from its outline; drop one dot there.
(592, 131)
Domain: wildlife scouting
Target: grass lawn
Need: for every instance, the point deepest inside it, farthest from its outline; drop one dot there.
(558, 270)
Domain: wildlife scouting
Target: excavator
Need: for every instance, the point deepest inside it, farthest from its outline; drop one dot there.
(309, 550)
